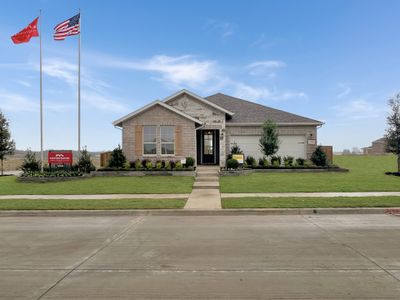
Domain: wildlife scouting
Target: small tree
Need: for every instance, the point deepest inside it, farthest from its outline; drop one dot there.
(269, 141)
(319, 157)
(30, 163)
(7, 145)
(85, 162)
(117, 159)
(393, 129)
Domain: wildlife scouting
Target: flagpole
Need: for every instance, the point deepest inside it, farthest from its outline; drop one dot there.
(41, 93)
(79, 84)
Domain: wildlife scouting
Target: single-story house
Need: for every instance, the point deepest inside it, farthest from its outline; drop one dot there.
(205, 128)
(377, 147)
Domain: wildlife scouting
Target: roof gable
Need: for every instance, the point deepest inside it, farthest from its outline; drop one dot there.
(152, 104)
(246, 112)
(201, 99)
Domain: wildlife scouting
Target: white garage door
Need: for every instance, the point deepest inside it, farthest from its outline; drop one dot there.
(293, 145)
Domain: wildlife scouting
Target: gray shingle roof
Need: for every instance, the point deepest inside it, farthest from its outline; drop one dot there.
(250, 112)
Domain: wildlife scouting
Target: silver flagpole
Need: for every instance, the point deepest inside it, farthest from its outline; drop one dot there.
(79, 84)
(41, 93)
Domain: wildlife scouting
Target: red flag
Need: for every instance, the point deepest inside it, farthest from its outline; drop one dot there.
(25, 34)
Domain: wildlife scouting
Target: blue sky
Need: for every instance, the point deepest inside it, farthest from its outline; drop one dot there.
(335, 61)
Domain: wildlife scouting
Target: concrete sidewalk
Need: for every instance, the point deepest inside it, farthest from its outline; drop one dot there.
(99, 196)
(310, 195)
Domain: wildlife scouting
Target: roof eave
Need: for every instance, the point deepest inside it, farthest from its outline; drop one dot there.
(200, 99)
(278, 123)
(118, 123)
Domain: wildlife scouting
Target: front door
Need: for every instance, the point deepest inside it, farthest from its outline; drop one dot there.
(208, 147)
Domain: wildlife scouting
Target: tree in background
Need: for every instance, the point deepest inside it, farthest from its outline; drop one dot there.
(269, 141)
(117, 159)
(393, 129)
(7, 145)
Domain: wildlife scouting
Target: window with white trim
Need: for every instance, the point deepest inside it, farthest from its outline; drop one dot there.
(167, 140)
(149, 140)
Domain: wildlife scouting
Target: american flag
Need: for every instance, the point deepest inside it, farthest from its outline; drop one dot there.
(67, 28)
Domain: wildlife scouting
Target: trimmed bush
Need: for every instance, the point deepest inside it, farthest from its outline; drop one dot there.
(190, 161)
(117, 159)
(149, 165)
(178, 165)
(138, 164)
(167, 166)
(276, 160)
(232, 163)
(319, 157)
(288, 161)
(30, 164)
(300, 161)
(158, 165)
(251, 161)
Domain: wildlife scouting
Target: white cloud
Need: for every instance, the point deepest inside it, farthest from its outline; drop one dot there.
(61, 69)
(345, 91)
(13, 102)
(225, 29)
(265, 67)
(359, 109)
(24, 83)
(174, 71)
(102, 102)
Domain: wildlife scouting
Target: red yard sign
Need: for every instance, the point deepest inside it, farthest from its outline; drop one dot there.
(60, 157)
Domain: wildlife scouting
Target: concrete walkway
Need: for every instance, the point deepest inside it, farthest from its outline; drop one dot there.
(99, 196)
(310, 195)
(205, 193)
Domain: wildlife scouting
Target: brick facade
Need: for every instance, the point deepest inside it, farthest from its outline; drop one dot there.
(185, 134)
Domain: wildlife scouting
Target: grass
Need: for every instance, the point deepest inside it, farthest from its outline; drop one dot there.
(261, 202)
(100, 185)
(366, 174)
(90, 204)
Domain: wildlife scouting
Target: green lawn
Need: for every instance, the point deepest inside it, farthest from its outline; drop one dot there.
(366, 174)
(100, 185)
(90, 204)
(260, 202)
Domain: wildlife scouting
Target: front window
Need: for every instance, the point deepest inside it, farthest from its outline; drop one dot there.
(167, 140)
(150, 140)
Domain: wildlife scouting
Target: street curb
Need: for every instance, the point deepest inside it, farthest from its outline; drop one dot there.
(188, 212)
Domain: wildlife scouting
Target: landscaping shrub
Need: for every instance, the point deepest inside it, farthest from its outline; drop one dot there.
(178, 165)
(138, 164)
(251, 161)
(319, 157)
(232, 163)
(52, 174)
(300, 161)
(261, 162)
(288, 161)
(190, 161)
(167, 165)
(149, 165)
(144, 163)
(172, 164)
(117, 159)
(236, 149)
(30, 163)
(276, 160)
(158, 165)
(85, 164)
(127, 165)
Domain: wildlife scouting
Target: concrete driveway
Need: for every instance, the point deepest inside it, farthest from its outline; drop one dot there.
(219, 257)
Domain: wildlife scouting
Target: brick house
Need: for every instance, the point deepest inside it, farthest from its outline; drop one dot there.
(185, 124)
(377, 147)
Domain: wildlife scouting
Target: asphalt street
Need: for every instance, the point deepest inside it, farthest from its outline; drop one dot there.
(200, 257)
